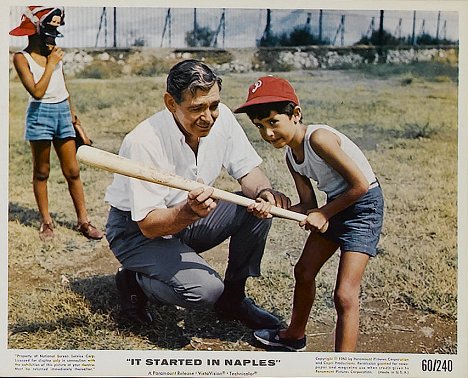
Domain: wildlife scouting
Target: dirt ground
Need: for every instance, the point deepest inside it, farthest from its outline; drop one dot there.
(385, 328)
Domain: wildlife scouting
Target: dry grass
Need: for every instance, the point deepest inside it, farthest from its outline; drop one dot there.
(62, 295)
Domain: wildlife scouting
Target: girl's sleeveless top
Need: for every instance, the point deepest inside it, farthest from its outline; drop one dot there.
(56, 91)
(314, 167)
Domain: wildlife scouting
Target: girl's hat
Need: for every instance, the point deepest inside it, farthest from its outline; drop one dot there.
(269, 89)
(35, 18)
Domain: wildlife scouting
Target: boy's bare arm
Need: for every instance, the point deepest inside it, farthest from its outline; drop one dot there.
(327, 145)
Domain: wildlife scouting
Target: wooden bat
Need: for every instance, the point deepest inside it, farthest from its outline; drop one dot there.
(118, 164)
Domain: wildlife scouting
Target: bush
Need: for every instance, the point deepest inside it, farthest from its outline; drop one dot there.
(389, 40)
(302, 36)
(427, 39)
(374, 40)
(150, 66)
(100, 70)
(269, 40)
(268, 60)
(299, 36)
(217, 56)
(200, 37)
(417, 131)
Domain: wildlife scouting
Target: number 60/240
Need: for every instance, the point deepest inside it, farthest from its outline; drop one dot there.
(437, 365)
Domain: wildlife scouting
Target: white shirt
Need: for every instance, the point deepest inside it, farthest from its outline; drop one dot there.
(328, 180)
(56, 90)
(158, 142)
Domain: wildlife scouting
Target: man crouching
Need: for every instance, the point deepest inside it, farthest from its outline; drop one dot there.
(158, 233)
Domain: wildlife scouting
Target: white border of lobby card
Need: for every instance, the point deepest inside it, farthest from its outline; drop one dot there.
(131, 363)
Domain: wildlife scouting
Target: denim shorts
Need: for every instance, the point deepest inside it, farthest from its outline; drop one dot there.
(358, 227)
(48, 121)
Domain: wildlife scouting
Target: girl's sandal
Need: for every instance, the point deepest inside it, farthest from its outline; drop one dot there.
(89, 231)
(46, 231)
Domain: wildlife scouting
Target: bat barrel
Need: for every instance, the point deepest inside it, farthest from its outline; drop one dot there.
(118, 164)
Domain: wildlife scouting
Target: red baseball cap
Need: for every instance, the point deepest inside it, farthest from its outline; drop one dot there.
(32, 18)
(268, 89)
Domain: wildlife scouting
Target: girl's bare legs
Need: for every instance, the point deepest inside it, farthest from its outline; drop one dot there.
(317, 251)
(41, 169)
(348, 284)
(66, 152)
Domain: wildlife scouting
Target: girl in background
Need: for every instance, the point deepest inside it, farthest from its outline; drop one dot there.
(50, 118)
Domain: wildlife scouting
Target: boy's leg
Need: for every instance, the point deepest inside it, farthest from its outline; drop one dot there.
(348, 283)
(41, 168)
(317, 251)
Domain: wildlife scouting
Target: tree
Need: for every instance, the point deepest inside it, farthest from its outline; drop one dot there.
(200, 37)
(299, 36)
(378, 38)
(426, 39)
(302, 36)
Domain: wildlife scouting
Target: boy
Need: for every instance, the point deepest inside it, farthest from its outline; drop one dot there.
(350, 220)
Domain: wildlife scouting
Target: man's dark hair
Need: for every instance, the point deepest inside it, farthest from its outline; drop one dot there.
(261, 111)
(190, 75)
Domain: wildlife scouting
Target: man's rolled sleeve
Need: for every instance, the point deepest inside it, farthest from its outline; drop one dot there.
(240, 157)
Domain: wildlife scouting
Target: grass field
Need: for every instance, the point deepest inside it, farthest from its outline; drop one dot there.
(62, 294)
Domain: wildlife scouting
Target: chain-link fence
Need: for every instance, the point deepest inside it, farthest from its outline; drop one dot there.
(123, 27)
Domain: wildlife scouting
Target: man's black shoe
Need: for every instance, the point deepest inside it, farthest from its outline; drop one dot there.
(248, 313)
(132, 299)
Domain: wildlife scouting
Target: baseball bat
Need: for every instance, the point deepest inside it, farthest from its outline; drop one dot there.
(110, 162)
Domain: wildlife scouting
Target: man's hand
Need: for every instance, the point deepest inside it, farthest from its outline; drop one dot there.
(200, 202)
(169, 221)
(274, 197)
(260, 208)
(267, 198)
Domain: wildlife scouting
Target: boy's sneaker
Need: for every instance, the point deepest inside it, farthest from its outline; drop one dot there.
(271, 337)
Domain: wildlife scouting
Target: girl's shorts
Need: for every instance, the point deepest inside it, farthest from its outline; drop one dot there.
(357, 228)
(48, 121)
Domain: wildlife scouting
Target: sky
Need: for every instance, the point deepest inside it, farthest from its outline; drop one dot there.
(242, 26)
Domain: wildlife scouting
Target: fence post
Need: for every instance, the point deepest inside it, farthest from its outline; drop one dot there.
(320, 26)
(115, 28)
(381, 34)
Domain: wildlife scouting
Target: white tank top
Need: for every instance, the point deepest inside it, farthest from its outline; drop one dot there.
(328, 180)
(56, 90)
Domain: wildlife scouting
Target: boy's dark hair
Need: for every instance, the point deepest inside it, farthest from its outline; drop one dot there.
(190, 75)
(261, 111)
